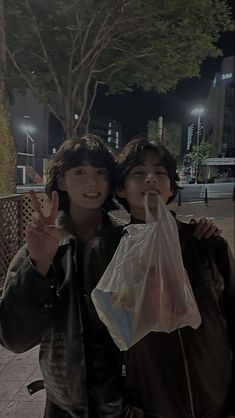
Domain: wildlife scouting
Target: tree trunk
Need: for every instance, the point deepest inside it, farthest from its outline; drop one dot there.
(8, 156)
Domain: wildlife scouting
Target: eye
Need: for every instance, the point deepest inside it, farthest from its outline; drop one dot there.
(102, 171)
(161, 173)
(79, 172)
(138, 173)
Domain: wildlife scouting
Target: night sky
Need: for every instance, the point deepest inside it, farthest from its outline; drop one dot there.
(133, 110)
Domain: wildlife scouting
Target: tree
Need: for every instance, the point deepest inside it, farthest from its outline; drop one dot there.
(64, 50)
(7, 144)
(172, 138)
(152, 129)
(200, 153)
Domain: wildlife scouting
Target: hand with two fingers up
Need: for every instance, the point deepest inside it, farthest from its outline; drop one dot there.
(42, 235)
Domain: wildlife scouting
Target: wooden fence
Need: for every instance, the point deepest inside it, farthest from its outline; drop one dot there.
(15, 213)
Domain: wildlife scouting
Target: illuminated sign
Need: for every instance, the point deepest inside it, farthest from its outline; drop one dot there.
(227, 76)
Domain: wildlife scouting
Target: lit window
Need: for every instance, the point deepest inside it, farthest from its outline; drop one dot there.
(109, 138)
(117, 134)
(110, 124)
(109, 132)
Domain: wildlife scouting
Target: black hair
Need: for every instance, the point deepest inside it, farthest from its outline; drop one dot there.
(134, 153)
(74, 152)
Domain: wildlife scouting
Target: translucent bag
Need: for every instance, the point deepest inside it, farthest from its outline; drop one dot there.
(145, 287)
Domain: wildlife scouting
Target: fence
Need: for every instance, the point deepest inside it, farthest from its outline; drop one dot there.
(15, 213)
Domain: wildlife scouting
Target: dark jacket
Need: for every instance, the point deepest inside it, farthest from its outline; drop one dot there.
(52, 311)
(187, 373)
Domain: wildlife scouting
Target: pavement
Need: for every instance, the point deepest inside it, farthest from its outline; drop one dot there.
(18, 370)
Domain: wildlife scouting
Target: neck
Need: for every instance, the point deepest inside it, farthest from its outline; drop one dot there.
(139, 213)
(87, 222)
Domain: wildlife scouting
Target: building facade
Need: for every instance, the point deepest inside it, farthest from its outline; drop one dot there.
(110, 131)
(220, 115)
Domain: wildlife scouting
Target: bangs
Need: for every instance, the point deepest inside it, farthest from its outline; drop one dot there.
(138, 156)
(81, 155)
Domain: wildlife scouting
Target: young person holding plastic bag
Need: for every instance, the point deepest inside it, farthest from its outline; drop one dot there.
(188, 372)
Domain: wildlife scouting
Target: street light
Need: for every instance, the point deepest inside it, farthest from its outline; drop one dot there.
(197, 112)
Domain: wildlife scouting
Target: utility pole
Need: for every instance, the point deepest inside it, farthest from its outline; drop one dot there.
(160, 129)
(198, 112)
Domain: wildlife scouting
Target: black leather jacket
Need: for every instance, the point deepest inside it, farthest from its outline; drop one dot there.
(187, 373)
(53, 312)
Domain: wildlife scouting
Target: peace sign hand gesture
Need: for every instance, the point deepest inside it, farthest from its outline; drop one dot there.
(42, 235)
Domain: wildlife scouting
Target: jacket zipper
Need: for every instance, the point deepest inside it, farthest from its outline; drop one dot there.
(187, 375)
(124, 368)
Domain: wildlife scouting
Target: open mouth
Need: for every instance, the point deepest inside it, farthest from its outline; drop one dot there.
(92, 195)
(150, 192)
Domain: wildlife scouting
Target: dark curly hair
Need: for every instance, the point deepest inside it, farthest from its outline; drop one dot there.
(73, 152)
(133, 154)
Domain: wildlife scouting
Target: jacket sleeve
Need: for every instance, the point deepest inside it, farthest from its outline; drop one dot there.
(226, 265)
(27, 305)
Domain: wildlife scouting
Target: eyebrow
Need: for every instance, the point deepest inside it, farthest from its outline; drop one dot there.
(155, 165)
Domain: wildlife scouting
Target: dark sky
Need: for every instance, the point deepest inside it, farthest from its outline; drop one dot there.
(133, 110)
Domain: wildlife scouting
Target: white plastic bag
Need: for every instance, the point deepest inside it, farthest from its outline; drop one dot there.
(145, 287)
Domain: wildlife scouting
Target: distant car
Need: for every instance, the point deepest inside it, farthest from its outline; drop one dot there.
(191, 180)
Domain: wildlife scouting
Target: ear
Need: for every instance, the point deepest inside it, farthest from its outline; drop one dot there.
(121, 193)
(61, 183)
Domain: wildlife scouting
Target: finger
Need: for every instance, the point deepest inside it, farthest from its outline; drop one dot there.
(37, 220)
(33, 229)
(54, 206)
(202, 227)
(213, 231)
(52, 231)
(35, 203)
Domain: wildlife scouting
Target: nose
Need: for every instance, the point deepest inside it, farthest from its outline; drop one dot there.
(92, 180)
(150, 178)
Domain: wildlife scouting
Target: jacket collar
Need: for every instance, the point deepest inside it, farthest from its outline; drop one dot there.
(65, 224)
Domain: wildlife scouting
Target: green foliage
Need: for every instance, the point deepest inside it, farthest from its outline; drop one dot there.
(203, 151)
(66, 48)
(152, 129)
(172, 138)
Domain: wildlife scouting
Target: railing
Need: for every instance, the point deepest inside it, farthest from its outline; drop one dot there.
(15, 213)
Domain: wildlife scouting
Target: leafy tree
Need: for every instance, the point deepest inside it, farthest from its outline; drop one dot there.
(7, 144)
(63, 50)
(198, 155)
(152, 129)
(172, 138)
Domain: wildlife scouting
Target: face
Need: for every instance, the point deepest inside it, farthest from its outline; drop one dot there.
(87, 186)
(147, 177)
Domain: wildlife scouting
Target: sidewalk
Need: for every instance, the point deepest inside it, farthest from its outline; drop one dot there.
(221, 211)
(18, 370)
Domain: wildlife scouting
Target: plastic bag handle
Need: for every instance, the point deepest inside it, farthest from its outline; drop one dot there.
(149, 218)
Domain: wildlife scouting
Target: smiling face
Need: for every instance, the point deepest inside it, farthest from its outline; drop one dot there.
(87, 186)
(149, 176)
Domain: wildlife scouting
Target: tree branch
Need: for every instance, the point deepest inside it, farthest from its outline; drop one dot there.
(45, 53)
(30, 85)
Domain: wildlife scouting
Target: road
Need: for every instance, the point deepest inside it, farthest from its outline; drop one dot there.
(194, 192)
(190, 192)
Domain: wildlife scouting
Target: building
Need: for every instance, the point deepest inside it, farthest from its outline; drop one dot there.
(110, 131)
(220, 120)
(38, 135)
(30, 125)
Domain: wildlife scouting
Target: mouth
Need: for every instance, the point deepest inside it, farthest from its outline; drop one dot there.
(92, 195)
(150, 192)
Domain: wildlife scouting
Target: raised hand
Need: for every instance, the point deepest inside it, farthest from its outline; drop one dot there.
(42, 235)
(205, 228)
